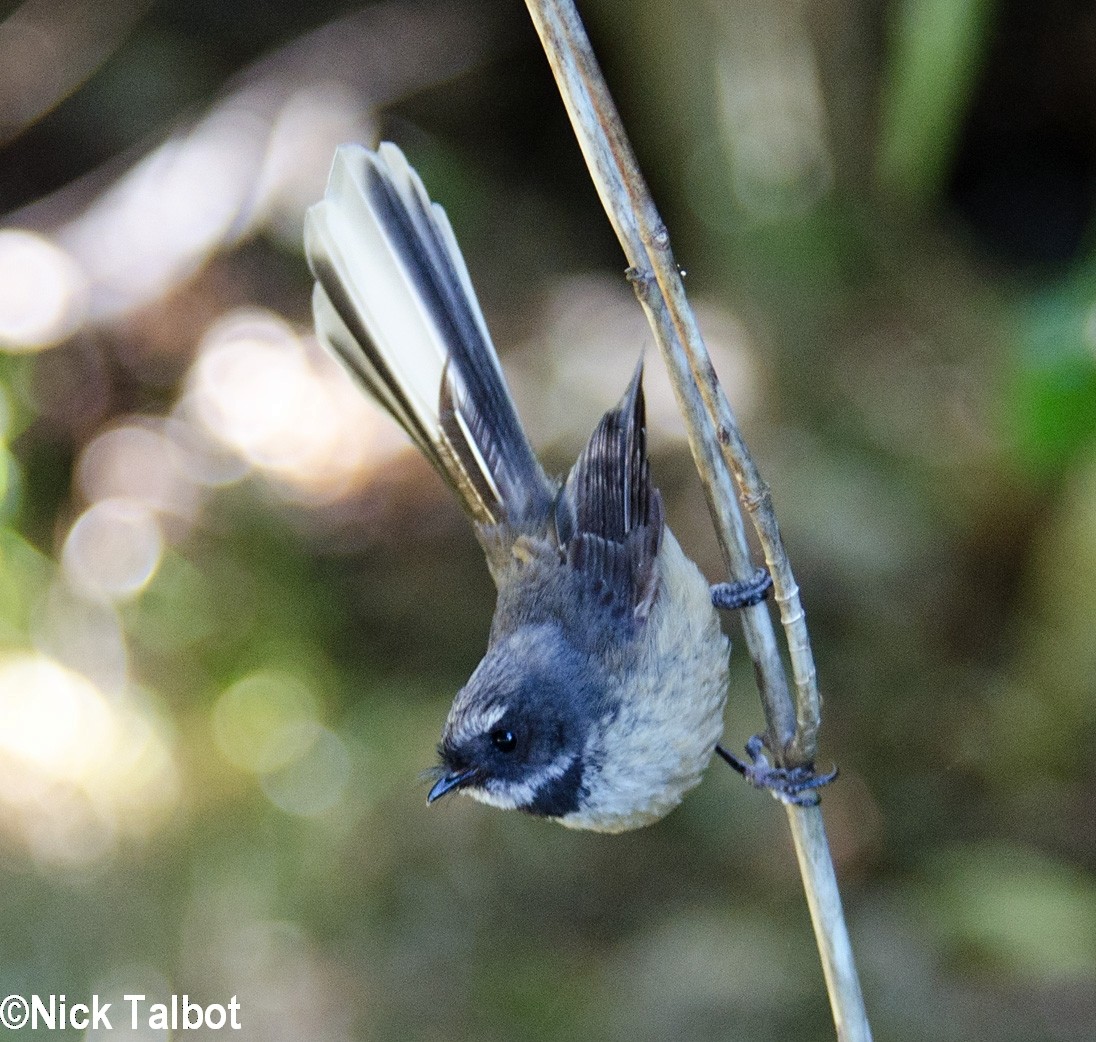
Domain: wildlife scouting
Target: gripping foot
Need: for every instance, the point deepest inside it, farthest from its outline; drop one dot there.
(743, 593)
(795, 785)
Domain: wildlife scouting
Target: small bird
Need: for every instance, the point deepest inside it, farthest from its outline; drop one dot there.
(599, 701)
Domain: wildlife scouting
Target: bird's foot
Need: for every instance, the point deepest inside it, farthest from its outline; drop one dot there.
(742, 593)
(795, 785)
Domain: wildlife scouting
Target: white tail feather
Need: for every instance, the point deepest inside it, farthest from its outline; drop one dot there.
(395, 303)
(349, 232)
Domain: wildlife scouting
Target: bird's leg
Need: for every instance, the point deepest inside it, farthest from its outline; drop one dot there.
(743, 593)
(795, 785)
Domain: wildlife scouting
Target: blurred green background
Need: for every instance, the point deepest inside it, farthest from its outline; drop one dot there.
(234, 606)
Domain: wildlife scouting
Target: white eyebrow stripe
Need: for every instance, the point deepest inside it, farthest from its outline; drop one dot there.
(478, 721)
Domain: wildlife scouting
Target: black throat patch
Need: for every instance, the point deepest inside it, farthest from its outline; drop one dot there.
(560, 796)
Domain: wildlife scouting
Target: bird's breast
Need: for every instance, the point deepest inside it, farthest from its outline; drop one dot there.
(665, 710)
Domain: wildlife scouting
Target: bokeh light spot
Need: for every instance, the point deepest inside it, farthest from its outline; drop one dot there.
(50, 717)
(289, 411)
(113, 549)
(43, 292)
(77, 770)
(139, 463)
(316, 782)
(266, 721)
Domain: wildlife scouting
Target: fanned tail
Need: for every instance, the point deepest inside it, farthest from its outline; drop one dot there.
(394, 302)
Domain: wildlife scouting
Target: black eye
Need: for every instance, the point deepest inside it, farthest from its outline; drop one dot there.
(504, 741)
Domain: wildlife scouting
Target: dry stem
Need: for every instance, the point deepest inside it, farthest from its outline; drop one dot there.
(720, 453)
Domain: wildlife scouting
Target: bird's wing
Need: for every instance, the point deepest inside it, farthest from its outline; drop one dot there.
(609, 516)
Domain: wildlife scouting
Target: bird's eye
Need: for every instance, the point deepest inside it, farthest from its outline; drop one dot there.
(504, 741)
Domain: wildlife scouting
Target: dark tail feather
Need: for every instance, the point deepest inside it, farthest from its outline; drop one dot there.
(394, 302)
(609, 515)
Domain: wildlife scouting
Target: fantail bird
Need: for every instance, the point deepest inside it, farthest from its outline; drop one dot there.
(600, 698)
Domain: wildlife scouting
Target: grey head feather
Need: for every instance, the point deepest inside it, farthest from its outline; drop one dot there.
(537, 688)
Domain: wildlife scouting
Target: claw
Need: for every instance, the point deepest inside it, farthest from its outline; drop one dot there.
(743, 593)
(797, 786)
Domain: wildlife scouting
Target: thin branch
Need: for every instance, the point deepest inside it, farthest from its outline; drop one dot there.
(720, 453)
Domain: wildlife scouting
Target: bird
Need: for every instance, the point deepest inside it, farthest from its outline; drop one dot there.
(599, 700)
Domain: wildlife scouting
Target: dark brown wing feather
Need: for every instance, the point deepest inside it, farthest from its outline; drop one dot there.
(609, 517)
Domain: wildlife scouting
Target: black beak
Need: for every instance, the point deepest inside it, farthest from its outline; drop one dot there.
(449, 782)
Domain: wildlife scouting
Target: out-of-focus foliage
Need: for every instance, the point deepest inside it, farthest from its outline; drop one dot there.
(935, 59)
(234, 606)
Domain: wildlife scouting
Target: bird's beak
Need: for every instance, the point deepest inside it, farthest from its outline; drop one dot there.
(449, 782)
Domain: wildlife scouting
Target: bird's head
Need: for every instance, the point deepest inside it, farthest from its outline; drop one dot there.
(518, 733)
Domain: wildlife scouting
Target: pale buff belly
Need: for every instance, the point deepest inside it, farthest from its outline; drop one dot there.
(659, 743)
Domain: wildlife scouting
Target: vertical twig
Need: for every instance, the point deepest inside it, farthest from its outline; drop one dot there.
(719, 452)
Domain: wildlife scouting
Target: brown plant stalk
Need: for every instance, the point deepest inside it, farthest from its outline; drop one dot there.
(724, 462)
